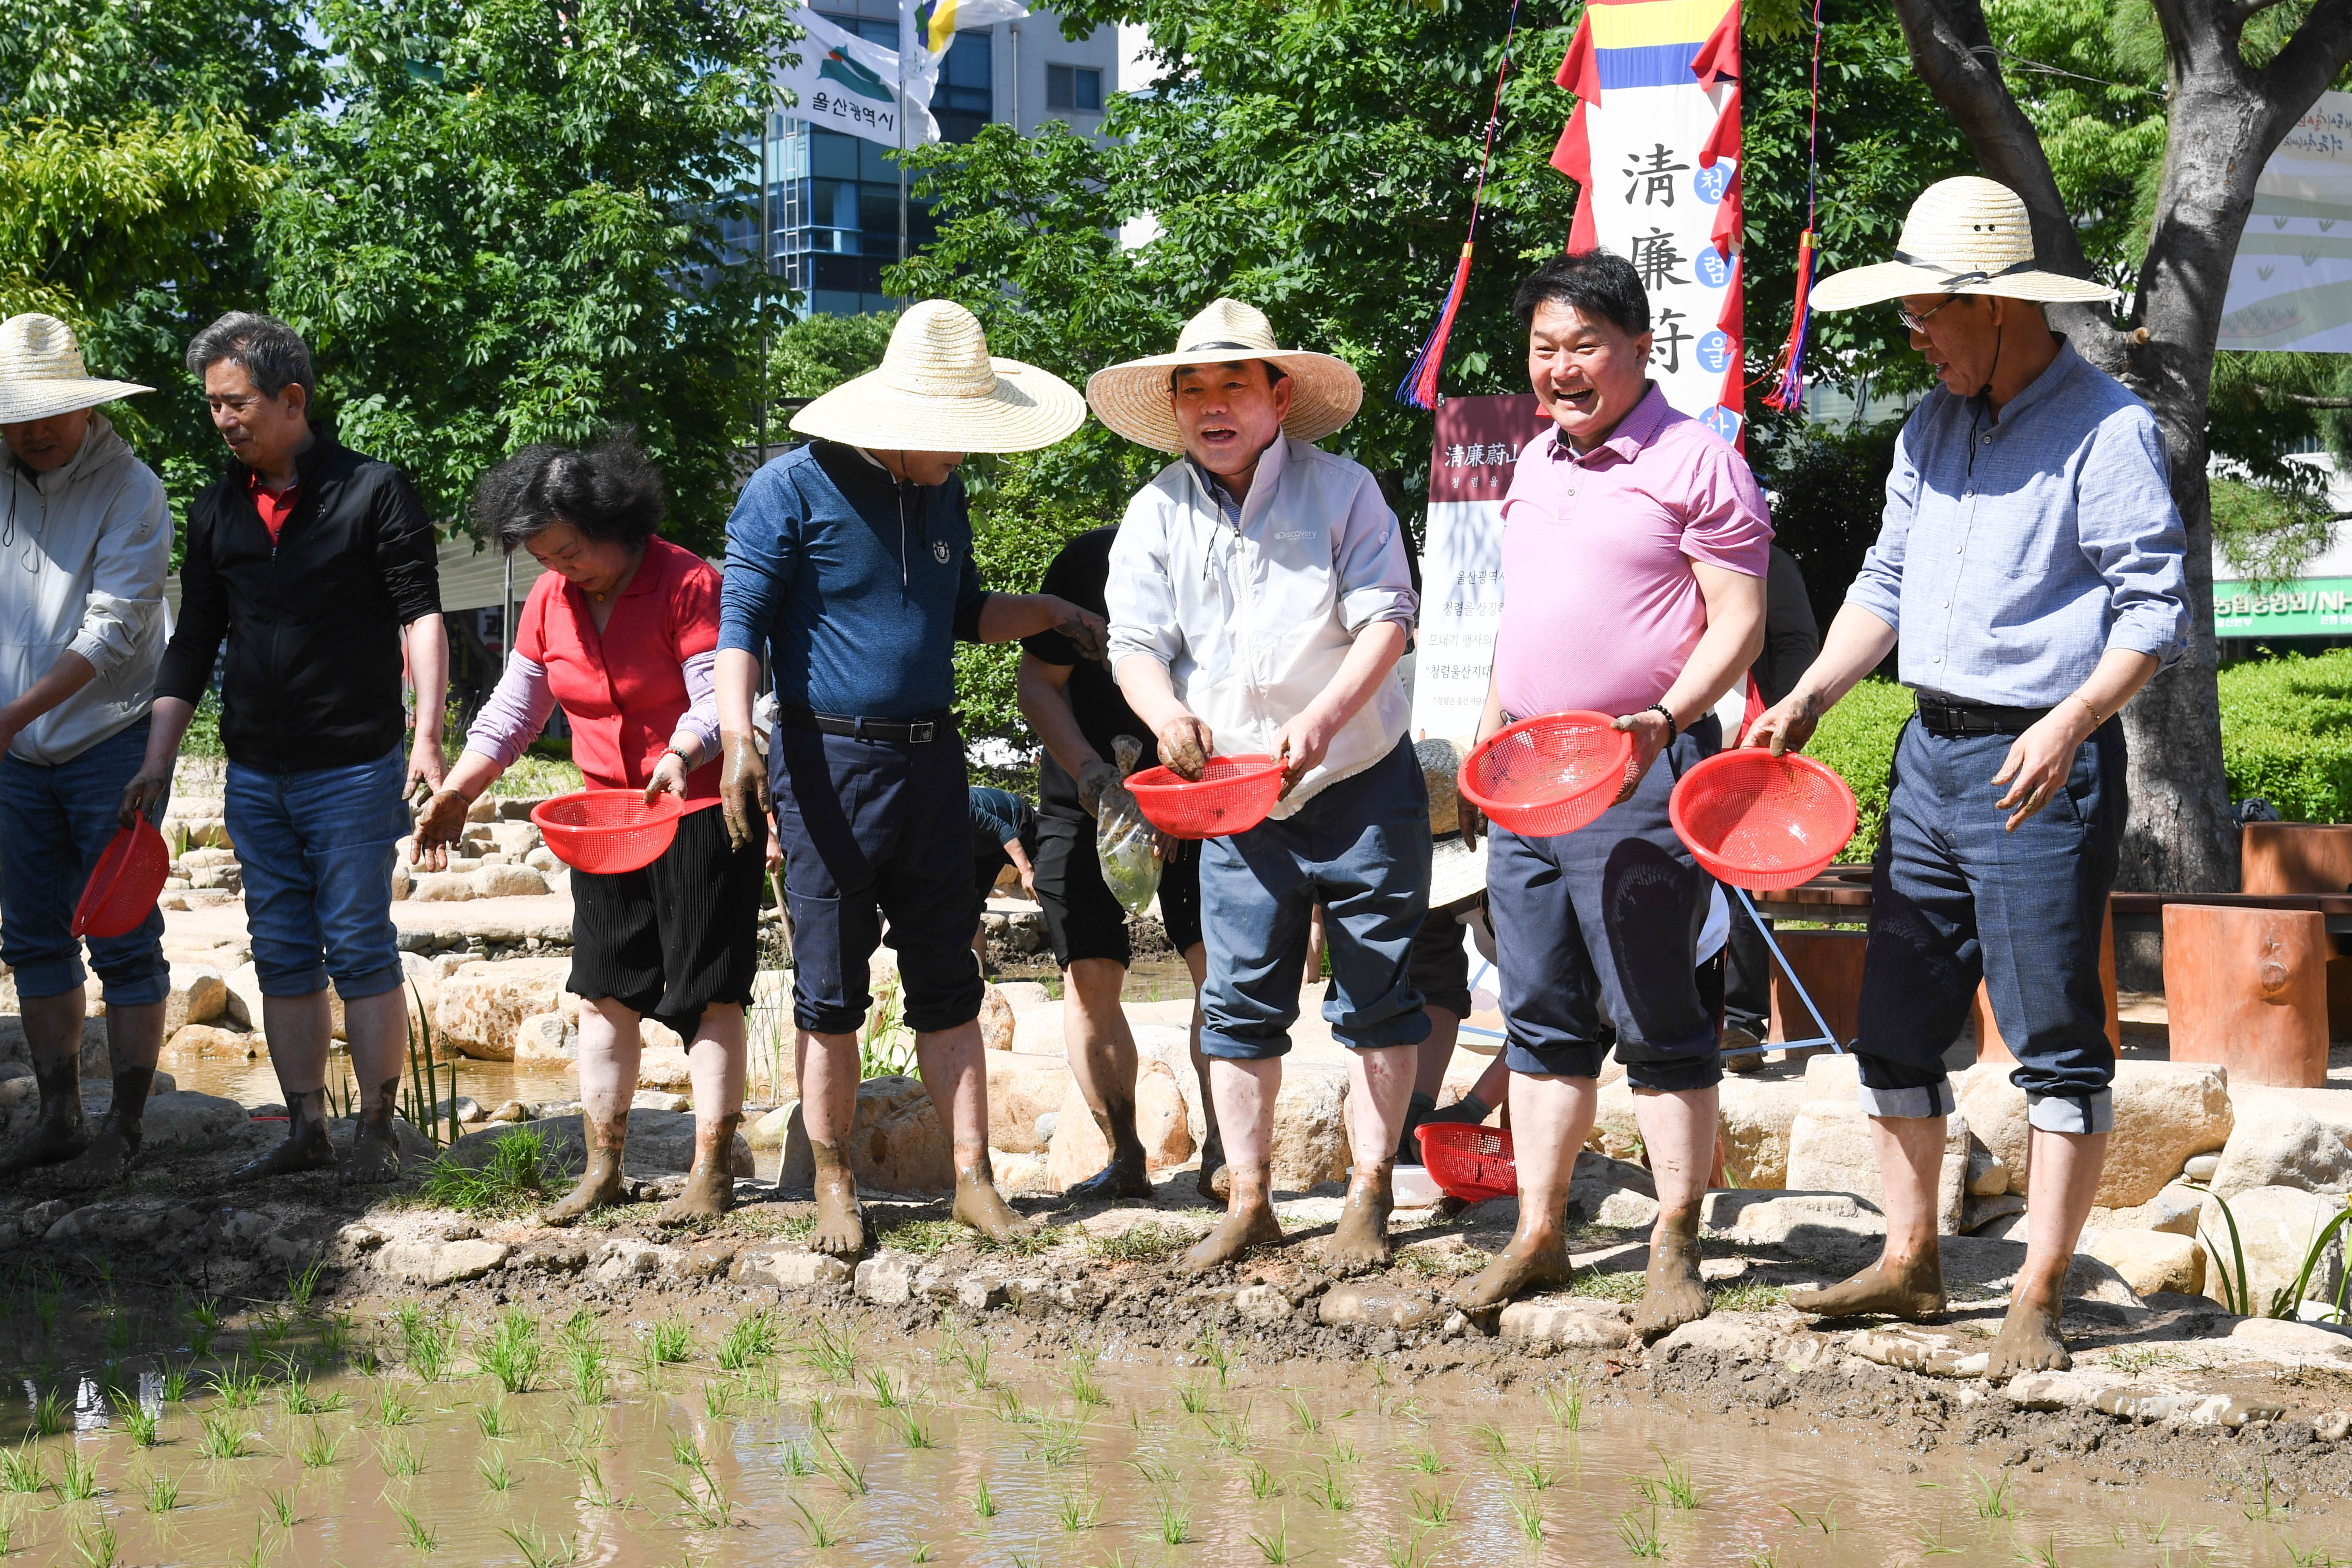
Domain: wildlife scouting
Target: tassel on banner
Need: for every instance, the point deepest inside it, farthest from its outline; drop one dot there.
(1789, 374)
(1419, 387)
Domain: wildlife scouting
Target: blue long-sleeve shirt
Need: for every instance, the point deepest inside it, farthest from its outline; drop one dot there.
(2015, 552)
(856, 586)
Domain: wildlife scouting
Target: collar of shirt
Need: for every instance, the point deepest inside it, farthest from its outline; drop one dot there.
(1636, 430)
(1228, 505)
(2039, 390)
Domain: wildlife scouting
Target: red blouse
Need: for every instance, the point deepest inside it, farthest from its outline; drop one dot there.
(623, 689)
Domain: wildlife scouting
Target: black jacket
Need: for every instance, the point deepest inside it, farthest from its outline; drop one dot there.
(313, 622)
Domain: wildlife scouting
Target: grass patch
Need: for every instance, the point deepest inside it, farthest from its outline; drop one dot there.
(523, 1172)
(1150, 1242)
(1623, 1285)
(773, 1226)
(930, 1238)
(1747, 1295)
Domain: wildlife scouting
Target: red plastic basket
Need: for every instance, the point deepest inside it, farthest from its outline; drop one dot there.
(1473, 1164)
(1549, 774)
(606, 831)
(124, 884)
(1758, 821)
(1233, 795)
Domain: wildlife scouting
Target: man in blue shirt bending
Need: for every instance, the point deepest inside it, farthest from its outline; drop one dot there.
(2031, 564)
(849, 565)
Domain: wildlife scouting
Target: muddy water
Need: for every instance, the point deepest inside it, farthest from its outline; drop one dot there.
(363, 1443)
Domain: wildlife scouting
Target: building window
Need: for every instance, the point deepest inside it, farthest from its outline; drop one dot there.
(1075, 88)
(963, 100)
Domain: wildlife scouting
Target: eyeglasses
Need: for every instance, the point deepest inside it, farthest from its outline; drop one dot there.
(1919, 323)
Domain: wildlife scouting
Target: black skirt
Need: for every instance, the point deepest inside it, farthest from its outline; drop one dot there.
(669, 939)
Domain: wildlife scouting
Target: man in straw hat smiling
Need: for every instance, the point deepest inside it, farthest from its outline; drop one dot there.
(1259, 599)
(2030, 566)
(83, 551)
(849, 566)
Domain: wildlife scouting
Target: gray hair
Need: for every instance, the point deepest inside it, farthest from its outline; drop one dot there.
(271, 352)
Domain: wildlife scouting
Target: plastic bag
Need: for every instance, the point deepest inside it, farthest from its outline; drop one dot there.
(1124, 841)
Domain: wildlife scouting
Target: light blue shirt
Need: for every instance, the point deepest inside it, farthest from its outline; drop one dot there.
(2016, 551)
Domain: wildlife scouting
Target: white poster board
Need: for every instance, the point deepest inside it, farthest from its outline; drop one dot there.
(2290, 284)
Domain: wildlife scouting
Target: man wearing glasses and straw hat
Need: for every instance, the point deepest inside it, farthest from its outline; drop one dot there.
(849, 566)
(1259, 599)
(2031, 568)
(85, 545)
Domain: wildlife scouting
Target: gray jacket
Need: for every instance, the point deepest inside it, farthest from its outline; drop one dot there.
(83, 553)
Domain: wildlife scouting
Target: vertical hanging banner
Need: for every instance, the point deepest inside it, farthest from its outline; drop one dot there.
(1478, 443)
(1653, 147)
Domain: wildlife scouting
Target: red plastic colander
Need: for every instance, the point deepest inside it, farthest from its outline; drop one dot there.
(607, 831)
(1758, 821)
(126, 882)
(1548, 774)
(1233, 795)
(1473, 1164)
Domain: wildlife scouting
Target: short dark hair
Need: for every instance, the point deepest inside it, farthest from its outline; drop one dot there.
(1275, 374)
(611, 491)
(269, 351)
(1595, 282)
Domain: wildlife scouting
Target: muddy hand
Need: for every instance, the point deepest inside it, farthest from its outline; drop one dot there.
(1185, 747)
(1088, 634)
(742, 788)
(438, 825)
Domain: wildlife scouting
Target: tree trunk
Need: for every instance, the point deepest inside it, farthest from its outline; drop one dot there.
(2181, 834)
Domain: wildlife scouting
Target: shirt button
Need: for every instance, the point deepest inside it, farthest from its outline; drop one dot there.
(1988, 440)
(1939, 659)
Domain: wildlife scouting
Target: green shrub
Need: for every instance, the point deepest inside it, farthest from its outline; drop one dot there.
(1857, 738)
(2286, 733)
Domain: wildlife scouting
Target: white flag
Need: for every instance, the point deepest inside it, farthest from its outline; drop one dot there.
(844, 83)
(927, 29)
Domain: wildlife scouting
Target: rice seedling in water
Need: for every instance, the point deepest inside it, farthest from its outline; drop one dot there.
(272, 1328)
(1057, 1443)
(974, 1359)
(2042, 1556)
(1489, 1437)
(1530, 1518)
(1674, 1489)
(820, 1415)
(541, 1551)
(884, 1386)
(1075, 1513)
(49, 1413)
(1640, 1535)
(984, 1502)
(237, 1389)
(1175, 1521)
(1214, 1349)
(1428, 1461)
(1535, 1475)
(94, 1547)
(297, 1395)
(204, 1323)
(670, 1343)
(513, 1353)
(851, 1477)
(389, 1409)
(492, 1468)
(491, 1417)
(822, 1532)
(430, 1344)
(749, 1340)
(924, 1552)
(1328, 1490)
(592, 1489)
(415, 1533)
(1565, 1400)
(1402, 1553)
(1433, 1509)
(718, 1400)
(1191, 1397)
(1262, 1482)
(1008, 1405)
(584, 1363)
(912, 1430)
(1274, 1546)
(399, 1458)
(224, 1437)
(137, 1419)
(78, 1482)
(280, 1511)
(174, 1389)
(320, 1449)
(162, 1492)
(1302, 1414)
(302, 1286)
(1083, 1386)
(1996, 1499)
(831, 1352)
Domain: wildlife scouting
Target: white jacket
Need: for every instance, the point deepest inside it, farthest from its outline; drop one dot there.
(83, 553)
(1251, 622)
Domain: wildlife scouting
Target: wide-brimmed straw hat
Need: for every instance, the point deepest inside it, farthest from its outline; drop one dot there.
(1965, 236)
(42, 375)
(937, 390)
(1133, 398)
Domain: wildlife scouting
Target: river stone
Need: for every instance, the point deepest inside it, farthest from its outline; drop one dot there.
(1377, 1306)
(1978, 1215)
(1078, 1149)
(1988, 1177)
(895, 1143)
(209, 1040)
(788, 1265)
(1758, 1115)
(434, 1263)
(507, 881)
(2200, 1167)
(2149, 1261)
(659, 1141)
(2302, 1342)
(1020, 1088)
(767, 1129)
(995, 1021)
(886, 1279)
(1310, 1140)
(1024, 996)
(1930, 1349)
(1564, 1322)
(1829, 1149)
(2278, 1143)
(1615, 1132)
(96, 1064)
(543, 1041)
(2173, 1210)
(664, 1067)
(2165, 1112)
(187, 1119)
(198, 995)
(1262, 1303)
(2276, 1227)
(1995, 1110)
(1836, 1228)
(483, 1004)
(1977, 1268)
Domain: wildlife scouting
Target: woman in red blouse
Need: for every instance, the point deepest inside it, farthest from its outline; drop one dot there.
(622, 632)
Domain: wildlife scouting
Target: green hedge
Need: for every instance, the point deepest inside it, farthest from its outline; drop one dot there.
(1857, 738)
(2286, 733)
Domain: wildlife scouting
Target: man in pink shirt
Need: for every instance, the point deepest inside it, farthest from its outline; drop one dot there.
(1634, 549)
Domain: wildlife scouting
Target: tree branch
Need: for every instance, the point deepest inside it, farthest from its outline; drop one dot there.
(2247, 10)
(2300, 399)
(2304, 67)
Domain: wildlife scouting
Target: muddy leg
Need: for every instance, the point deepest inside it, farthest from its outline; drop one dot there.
(374, 1156)
(979, 1204)
(1361, 1240)
(601, 1183)
(1103, 1061)
(307, 1146)
(1671, 1292)
(710, 1186)
(114, 1148)
(840, 1221)
(1249, 1220)
(61, 1134)
(2063, 1178)
(1907, 1280)
(1552, 1115)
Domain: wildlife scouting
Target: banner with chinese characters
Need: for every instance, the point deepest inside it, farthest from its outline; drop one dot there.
(1478, 443)
(1653, 147)
(844, 83)
(2290, 284)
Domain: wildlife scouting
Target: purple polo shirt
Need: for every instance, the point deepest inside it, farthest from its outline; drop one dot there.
(1601, 607)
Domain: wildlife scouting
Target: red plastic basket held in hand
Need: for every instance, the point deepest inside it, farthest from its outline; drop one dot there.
(607, 831)
(1548, 774)
(125, 883)
(1473, 1164)
(1233, 795)
(1758, 821)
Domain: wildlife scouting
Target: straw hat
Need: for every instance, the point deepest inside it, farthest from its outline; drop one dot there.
(42, 375)
(937, 390)
(1966, 235)
(1133, 398)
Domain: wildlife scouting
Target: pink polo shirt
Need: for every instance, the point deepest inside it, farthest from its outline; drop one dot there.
(1600, 608)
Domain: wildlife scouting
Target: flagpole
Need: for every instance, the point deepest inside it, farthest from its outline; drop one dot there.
(905, 49)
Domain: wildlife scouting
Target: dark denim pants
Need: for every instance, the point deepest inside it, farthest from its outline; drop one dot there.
(1956, 897)
(55, 822)
(315, 849)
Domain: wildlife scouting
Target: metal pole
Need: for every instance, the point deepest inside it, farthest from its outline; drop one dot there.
(767, 258)
(1015, 29)
(506, 620)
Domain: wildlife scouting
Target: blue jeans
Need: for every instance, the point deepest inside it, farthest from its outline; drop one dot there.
(315, 849)
(1956, 897)
(55, 822)
(1361, 848)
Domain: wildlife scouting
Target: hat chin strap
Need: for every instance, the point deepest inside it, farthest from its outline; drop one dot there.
(1955, 282)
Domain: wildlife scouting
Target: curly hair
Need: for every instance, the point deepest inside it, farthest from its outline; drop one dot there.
(611, 491)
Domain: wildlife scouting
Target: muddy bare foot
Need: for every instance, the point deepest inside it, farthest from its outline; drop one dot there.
(840, 1222)
(1251, 1225)
(307, 1148)
(2029, 1342)
(108, 1159)
(979, 1204)
(1214, 1183)
(600, 1186)
(374, 1158)
(52, 1141)
(1521, 1266)
(1671, 1292)
(1912, 1290)
(1361, 1240)
(1125, 1177)
(710, 1185)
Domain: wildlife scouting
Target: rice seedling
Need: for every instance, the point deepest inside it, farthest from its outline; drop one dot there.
(1302, 1414)
(794, 1461)
(1084, 1387)
(832, 1352)
(1433, 1510)
(1344, 1452)
(683, 1447)
(822, 1533)
(923, 1553)
(820, 1415)
(974, 1359)
(983, 1502)
(1211, 1347)
(1996, 1499)
(224, 1437)
(174, 1384)
(1328, 1490)
(335, 1337)
(78, 1482)
(885, 1387)
(139, 1421)
(1489, 1437)
(162, 1492)
(1191, 1397)
(543, 1551)
(1640, 1535)
(492, 1468)
(1075, 1512)
(670, 1343)
(302, 1286)
(1427, 1460)
(1674, 1489)
(517, 1176)
(50, 1415)
(117, 1333)
(428, 1345)
(272, 1328)
(389, 1409)
(584, 1365)
(260, 1557)
(1154, 1473)
(1008, 1406)
(299, 1399)
(415, 1533)
(1565, 1400)
(279, 1510)
(749, 1340)
(513, 1353)
(1535, 1475)
(1821, 1521)
(1263, 1483)
(913, 1430)
(592, 1489)
(94, 1545)
(399, 1458)
(1528, 1517)
(2042, 1556)
(1402, 1553)
(204, 1323)
(850, 1477)
(1275, 1545)
(718, 1400)
(1056, 1443)
(320, 1449)
(495, 1424)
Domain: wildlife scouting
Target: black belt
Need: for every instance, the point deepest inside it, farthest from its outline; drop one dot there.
(1959, 721)
(918, 730)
